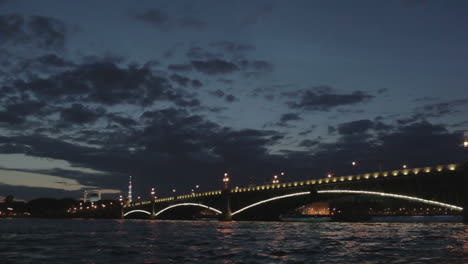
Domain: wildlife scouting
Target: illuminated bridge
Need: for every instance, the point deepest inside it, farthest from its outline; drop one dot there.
(444, 186)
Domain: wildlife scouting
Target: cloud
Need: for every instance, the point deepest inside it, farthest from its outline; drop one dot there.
(324, 99)
(160, 19)
(232, 47)
(54, 61)
(105, 83)
(288, 117)
(155, 17)
(360, 126)
(435, 110)
(309, 143)
(217, 93)
(215, 66)
(198, 53)
(196, 83)
(180, 67)
(230, 98)
(80, 114)
(38, 31)
(179, 79)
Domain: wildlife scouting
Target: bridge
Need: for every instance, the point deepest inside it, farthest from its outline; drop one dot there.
(442, 186)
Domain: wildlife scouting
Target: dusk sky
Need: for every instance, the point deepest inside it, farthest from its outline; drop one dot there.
(175, 93)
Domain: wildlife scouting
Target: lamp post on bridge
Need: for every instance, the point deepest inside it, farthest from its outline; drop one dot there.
(226, 214)
(226, 181)
(275, 179)
(153, 201)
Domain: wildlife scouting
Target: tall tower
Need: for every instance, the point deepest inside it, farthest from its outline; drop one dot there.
(130, 189)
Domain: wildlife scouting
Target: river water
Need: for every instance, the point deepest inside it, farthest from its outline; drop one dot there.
(145, 241)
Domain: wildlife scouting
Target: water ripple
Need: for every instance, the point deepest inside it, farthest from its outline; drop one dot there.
(140, 241)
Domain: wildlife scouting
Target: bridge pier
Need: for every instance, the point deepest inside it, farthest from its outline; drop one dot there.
(226, 214)
(465, 192)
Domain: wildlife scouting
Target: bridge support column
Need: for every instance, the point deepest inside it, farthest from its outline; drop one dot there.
(153, 213)
(226, 215)
(464, 170)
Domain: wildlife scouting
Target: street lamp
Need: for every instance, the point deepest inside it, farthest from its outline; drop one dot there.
(329, 175)
(465, 143)
(153, 193)
(275, 179)
(226, 180)
(404, 166)
(353, 163)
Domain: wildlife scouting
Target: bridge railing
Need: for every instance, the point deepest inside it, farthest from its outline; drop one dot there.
(357, 177)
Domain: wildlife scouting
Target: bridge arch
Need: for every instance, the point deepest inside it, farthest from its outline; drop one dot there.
(188, 204)
(269, 200)
(398, 196)
(137, 211)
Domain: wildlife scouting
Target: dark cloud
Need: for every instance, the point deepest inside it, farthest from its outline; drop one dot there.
(443, 108)
(325, 99)
(198, 53)
(179, 79)
(180, 67)
(155, 17)
(54, 60)
(10, 118)
(16, 110)
(217, 93)
(382, 91)
(307, 131)
(105, 83)
(262, 66)
(196, 83)
(290, 117)
(308, 143)
(122, 120)
(230, 98)
(49, 32)
(227, 97)
(232, 47)
(360, 126)
(160, 19)
(225, 81)
(80, 114)
(39, 31)
(436, 109)
(215, 66)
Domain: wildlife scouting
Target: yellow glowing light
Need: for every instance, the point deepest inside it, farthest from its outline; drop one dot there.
(137, 211)
(188, 204)
(453, 207)
(268, 200)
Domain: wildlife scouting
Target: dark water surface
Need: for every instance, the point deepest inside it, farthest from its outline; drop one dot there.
(143, 241)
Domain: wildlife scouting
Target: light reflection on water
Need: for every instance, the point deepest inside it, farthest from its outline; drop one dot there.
(142, 241)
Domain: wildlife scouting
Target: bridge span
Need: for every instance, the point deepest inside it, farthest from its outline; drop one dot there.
(444, 186)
